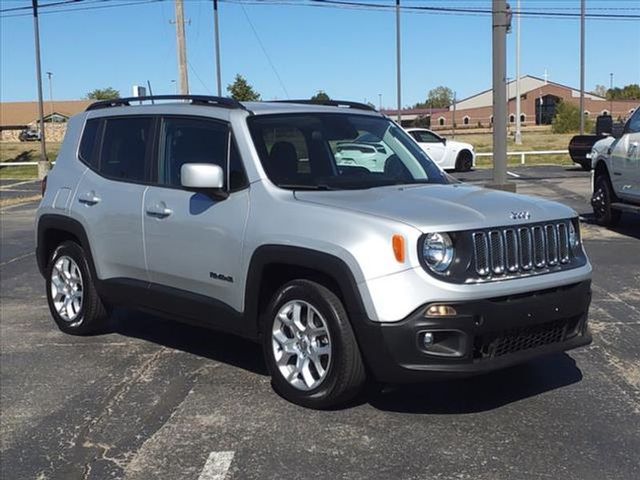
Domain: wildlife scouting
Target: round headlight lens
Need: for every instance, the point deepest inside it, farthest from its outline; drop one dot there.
(574, 237)
(437, 251)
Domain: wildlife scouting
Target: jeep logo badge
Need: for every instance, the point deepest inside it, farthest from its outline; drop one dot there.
(520, 215)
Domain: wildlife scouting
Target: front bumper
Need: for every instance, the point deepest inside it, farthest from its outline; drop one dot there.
(484, 335)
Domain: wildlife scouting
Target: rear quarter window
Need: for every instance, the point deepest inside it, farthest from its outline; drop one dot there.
(88, 151)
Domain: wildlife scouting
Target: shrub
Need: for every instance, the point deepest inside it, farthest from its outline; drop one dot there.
(567, 119)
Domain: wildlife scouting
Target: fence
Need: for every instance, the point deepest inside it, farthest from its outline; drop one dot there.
(523, 155)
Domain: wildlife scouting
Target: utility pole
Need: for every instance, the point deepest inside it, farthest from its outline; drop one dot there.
(43, 164)
(453, 118)
(499, 42)
(518, 137)
(398, 79)
(217, 41)
(182, 48)
(49, 75)
(582, 17)
(379, 101)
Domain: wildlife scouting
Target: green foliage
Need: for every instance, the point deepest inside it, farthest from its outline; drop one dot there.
(321, 96)
(628, 92)
(439, 97)
(600, 90)
(241, 90)
(108, 93)
(567, 119)
(423, 121)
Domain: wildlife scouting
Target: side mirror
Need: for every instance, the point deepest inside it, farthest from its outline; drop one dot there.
(444, 141)
(205, 177)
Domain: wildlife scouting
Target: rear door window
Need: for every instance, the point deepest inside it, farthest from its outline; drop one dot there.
(88, 152)
(125, 148)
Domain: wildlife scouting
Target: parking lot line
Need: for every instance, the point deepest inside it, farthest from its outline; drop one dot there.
(11, 185)
(513, 174)
(16, 259)
(217, 466)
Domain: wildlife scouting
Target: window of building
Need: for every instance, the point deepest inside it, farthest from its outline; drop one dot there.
(441, 121)
(491, 119)
(466, 120)
(124, 148)
(604, 112)
(512, 118)
(523, 118)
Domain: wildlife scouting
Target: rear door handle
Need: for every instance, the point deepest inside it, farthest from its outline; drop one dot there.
(159, 210)
(89, 198)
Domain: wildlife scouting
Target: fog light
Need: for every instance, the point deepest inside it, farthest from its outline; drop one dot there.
(427, 339)
(440, 311)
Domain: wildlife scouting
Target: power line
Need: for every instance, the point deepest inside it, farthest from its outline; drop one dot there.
(87, 7)
(264, 50)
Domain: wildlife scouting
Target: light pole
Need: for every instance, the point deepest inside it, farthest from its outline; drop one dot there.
(175, 86)
(611, 94)
(217, 38)
(582, 15)
(398, 79)
(49, 75)
(379, 101)
(518, 137)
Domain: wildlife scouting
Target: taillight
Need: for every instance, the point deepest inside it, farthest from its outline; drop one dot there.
(43, 186)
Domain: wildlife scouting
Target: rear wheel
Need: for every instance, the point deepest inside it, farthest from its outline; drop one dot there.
(71, 294)
(601, 201)
(310, 348)
(464, 162)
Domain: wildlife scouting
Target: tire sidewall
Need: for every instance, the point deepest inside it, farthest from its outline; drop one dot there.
(602, 183)
(75, 252)
(464, 161)
(298, 290)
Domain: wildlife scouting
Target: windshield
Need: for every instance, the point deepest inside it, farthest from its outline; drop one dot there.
(335, 151)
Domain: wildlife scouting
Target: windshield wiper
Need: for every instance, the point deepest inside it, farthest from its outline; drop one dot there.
(305, 187)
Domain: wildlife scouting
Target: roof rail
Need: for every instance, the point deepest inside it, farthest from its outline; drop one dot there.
(331, 103)
(223, 102)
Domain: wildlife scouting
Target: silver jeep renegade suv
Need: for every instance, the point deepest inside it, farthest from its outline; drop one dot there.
(266, 220)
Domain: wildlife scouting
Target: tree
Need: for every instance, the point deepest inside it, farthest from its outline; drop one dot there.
(600, 91)
(567, 119)
(628, 92)
(108, 93)
(321, 96)
(241, 90)
(439, 97)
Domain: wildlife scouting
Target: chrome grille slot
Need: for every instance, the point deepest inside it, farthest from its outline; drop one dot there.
(563, 243)
(497, 252)
(511, 250)
(481, 253)
(522, 251)
(526, 258)
(539, 254)
(552, 245)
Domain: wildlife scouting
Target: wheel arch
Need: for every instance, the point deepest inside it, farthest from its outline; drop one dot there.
(54, 229)
(272, 266)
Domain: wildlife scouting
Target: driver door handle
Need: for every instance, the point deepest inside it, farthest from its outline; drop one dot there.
(159, 210)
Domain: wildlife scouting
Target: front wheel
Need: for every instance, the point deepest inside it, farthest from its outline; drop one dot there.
(601, 201)
(310, 348)
(464, 162)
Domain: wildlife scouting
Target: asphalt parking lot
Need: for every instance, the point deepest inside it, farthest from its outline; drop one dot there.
(156, 399)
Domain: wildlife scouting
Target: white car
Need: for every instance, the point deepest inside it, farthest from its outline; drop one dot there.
(448, 154)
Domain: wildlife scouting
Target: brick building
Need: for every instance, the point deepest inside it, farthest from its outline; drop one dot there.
(539, 99)
(17, 116)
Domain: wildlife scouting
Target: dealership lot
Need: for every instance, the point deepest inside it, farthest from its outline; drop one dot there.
(156, 399)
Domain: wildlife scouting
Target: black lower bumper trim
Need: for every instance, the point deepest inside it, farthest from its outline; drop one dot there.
(485, 335)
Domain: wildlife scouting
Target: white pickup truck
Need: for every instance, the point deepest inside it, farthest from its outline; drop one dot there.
(616, 173)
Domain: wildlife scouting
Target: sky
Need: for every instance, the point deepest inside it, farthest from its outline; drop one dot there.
(288, 50)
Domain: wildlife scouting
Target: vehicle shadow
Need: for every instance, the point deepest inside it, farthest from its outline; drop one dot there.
(203, 342)
(480, 393)
(629, 225)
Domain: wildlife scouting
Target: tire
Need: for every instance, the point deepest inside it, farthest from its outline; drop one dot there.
(586, 166)
(601, 201)
(73, 300)
(333, 347)
(464, 161)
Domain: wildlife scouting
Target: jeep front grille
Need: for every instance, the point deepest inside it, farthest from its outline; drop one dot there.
(515, 251)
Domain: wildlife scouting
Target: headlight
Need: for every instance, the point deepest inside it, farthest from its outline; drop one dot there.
(437, 251)
(574, 234)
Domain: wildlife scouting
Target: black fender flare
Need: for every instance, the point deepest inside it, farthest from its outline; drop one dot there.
(324, 263)
(54, 222)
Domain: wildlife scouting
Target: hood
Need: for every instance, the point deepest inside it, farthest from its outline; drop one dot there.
(441, 207)
(603, 144)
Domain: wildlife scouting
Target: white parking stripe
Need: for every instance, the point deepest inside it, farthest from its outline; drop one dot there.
(513, 174)
(217, 466)
(16, 259)
(4, 187)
